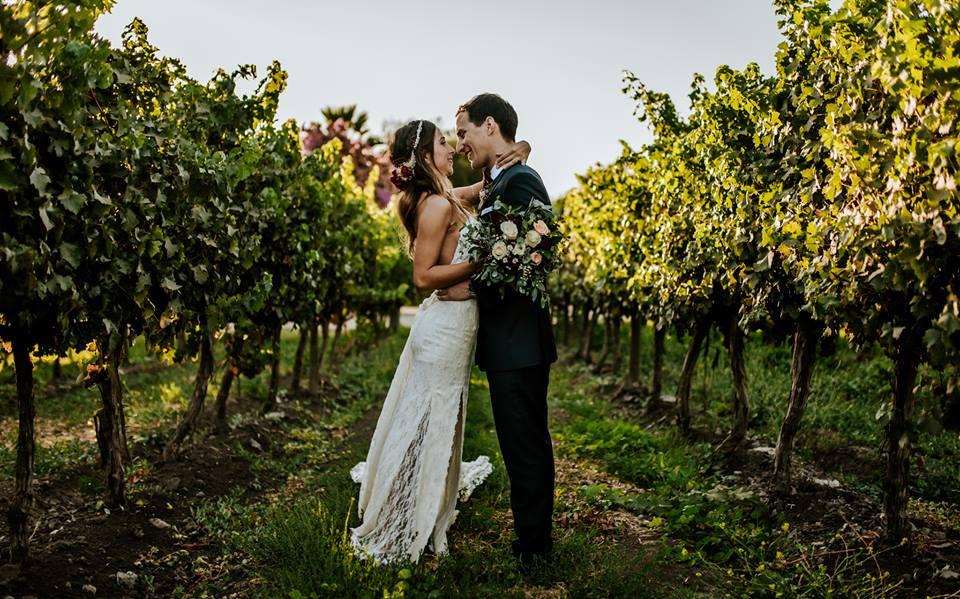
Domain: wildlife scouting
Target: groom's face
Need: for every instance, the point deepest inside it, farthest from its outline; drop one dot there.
(473, 141)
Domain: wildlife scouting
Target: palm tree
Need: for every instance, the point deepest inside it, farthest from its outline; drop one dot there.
(355, 120)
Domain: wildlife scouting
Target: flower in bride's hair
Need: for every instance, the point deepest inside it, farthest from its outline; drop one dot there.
(499, 250)
(536, 258)
(533, 238)
(509, 229)
(400, 176)
(541, 227)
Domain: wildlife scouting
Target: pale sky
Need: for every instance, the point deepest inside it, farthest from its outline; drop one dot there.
(558, 62)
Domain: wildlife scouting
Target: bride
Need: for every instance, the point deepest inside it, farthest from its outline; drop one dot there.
(413, 474)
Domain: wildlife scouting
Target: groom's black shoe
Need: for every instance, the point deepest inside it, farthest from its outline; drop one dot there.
(530, 561)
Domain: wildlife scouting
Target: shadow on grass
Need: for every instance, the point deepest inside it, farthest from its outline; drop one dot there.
(303, 550)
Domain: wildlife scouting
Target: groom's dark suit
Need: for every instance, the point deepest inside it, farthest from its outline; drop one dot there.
(515, 347)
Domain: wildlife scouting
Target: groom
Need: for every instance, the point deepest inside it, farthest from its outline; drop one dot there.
(515, 344)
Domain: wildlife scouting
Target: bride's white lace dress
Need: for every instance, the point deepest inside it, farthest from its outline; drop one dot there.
(413, 474)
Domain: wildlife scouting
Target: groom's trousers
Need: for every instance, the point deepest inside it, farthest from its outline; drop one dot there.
(519, 399)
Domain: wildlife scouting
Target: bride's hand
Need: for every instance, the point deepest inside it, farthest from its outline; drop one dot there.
(518, 152)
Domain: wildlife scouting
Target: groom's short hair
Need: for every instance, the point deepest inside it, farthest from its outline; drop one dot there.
(478, 108)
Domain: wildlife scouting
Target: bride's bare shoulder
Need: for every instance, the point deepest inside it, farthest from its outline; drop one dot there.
(434, 206)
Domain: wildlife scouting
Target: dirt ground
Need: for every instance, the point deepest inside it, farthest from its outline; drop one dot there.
(80, 549)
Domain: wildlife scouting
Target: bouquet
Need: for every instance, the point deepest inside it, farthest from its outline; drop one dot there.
(516, 247)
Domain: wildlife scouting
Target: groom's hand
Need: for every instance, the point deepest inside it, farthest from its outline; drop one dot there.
(456, 293)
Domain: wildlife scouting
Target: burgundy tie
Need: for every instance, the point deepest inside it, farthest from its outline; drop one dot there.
(487, 179)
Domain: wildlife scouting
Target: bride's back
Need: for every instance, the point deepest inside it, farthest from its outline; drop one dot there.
(454, 219)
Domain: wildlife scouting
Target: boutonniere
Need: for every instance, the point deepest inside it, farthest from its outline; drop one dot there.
(484, 193)
(485, 188)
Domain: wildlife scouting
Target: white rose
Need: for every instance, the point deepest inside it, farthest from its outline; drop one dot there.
(499, 250)
(533, 238)
(518, 249)
(509, 229)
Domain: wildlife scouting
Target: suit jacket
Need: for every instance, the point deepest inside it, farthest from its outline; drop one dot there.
(515, 332)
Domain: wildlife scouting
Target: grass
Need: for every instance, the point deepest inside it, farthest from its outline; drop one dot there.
(713, 536)
(725, 527)
(848, 406)
(640, 511)
(709, 521)
(300, 547)
(155, 393)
